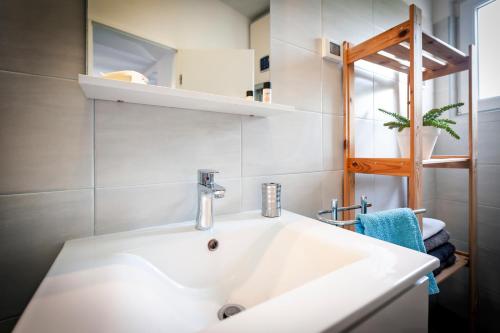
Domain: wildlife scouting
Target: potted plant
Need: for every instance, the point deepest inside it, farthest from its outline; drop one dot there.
(430, 132)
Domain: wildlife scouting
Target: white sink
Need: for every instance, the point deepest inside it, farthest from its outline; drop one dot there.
(292, 274)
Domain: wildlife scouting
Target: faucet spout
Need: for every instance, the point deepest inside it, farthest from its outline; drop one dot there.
(218, 191)
(207, 191)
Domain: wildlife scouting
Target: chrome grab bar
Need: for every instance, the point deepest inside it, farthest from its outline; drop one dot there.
(336, 209)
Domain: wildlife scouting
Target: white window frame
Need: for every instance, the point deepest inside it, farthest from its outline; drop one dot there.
(468, 35)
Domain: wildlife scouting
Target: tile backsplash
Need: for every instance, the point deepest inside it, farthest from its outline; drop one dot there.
(73, 167)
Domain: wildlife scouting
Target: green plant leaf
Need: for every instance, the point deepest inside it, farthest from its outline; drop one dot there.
(395, 115)
(430, 118)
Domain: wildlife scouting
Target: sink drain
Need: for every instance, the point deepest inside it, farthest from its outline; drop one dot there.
(229, 310)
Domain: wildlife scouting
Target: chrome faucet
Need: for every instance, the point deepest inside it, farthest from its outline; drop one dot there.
(207, 191)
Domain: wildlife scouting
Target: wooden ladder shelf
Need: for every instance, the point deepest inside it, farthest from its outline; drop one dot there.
(405, 48)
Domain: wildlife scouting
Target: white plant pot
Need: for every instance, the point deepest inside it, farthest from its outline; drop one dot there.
(429, 138)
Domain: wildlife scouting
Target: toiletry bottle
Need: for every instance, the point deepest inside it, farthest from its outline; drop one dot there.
(249, 96)
(267, 93)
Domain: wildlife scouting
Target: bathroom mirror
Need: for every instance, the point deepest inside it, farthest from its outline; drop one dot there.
(214, 46)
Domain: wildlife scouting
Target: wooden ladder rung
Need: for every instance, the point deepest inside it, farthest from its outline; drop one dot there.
(461, 261)
(382, 60)
(395, 35)
(380, 166)
(455, 162)
(446, 70)
(442, 50)
(402, 52)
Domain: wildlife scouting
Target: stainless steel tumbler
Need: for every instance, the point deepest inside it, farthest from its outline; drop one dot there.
(271, 200)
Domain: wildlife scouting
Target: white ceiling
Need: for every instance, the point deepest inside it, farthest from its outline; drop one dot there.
(250, 8)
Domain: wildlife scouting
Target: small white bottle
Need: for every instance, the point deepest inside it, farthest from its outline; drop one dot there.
(267, 93)
(249, 96)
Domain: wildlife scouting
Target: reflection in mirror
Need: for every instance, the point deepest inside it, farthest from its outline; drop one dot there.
(114, 50)
(214, 46)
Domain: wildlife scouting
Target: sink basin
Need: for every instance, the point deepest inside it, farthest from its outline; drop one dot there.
(291, 274)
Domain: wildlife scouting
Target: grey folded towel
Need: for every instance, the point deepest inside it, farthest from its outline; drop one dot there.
(437, 240)
(446, 255)
(443, 252)
(447, 263)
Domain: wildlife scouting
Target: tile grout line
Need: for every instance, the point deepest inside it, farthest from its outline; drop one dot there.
(241, 163)
(295, 45)
(116, 187)
(37, 75)
(45, 191)
(93, 167)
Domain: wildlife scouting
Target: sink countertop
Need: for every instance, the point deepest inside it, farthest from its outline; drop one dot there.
(345, 276)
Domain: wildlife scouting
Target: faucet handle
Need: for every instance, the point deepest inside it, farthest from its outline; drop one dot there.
(206, 176)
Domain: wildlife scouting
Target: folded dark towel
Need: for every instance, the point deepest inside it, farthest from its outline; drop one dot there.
(437, 240)
(443, 252)
(448, 262)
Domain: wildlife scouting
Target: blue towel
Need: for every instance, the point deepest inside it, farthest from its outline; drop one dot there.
(398, 226)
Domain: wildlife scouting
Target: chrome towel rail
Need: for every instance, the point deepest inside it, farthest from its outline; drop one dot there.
(336, 209)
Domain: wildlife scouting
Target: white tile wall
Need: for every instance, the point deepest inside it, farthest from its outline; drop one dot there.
(363, 94)
(331, 77)
(137, 145)
(388, 192)
(282, 144)
(333, 142)
(350, 20)
(331, 187)
(385, 142)
(363, 137)
(386, 96)
(295, 76)
(297, 22)
(301, 193)
(365, 185)
(388, 13)
(120, 209)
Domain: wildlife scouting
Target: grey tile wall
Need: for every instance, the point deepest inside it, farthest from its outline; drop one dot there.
(33, 228)
(7, 325)
(45, 37)
(46, 137)
(451, 201)
(46, 143)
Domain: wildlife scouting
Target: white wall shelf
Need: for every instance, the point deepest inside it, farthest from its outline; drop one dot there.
(112, 90)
